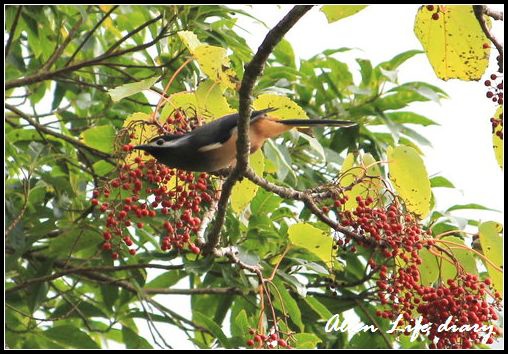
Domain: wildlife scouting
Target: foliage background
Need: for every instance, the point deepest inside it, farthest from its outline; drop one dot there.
(57, 186)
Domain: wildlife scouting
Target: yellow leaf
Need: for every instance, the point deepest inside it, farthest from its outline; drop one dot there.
(286, 108)
(215, 64)
(351, 171)
(184, 101)
(492, 247)
(454, 42)
(497, 142)
(244, 191)
(211, 101)
(336, 12)
(105, 8)
(142, 133)
(314, 240)
(410, 178)
(212, 60)
(190, 40)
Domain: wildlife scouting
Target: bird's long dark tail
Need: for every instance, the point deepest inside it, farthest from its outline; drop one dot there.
(316, 122)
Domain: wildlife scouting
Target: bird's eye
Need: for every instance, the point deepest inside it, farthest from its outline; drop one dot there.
(160, 142)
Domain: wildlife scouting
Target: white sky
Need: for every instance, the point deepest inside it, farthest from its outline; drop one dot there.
(462, 144)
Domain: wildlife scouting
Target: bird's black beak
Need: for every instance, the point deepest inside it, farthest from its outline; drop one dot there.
(141, 147)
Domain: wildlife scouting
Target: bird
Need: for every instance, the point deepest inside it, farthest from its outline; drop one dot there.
(212, 146)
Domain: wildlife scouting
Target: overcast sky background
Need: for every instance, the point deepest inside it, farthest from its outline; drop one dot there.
(462, 143)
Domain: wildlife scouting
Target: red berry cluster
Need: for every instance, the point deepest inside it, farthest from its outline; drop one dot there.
(464, 300)
(435, 14)
(141, 191)
(495, 88)
(263, 341)
(396, 235)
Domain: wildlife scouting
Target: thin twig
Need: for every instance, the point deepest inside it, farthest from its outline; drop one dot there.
(12, 32)
(89, 34)
(68, 139)
(60, 49)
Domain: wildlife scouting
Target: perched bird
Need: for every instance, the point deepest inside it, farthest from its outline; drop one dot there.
(212, 146)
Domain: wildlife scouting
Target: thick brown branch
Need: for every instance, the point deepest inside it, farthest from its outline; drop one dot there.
(480, 11)
(252, 72)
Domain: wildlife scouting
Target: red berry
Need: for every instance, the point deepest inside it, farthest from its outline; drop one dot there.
(132, 251)
(140, 225)
(282, 343)
(115, 255)
(487, 83)
(95, 202)
(493, 76)
(430, 7)
(106, 246)
(250, 343)
(435, 16)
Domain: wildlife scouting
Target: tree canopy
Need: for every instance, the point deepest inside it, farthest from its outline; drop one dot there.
(314, 229)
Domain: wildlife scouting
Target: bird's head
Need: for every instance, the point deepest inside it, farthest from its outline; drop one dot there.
(158, 145)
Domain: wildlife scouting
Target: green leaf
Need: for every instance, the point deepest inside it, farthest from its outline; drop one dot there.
(306, 340)
(336, 12)
(134, 341)
(132, 88)
(284, 302)
(312, 239)
(429, 268)
(318, 307)
(473, 206)
(492, 247)
(100, 137)
(241, 325)
(440, 181)
(109, 295)
(409, 118)
(70, 337)
(167, 279)
(367, 340)
(212, 327)
(102, 168)
(463, 256)
(410, 178)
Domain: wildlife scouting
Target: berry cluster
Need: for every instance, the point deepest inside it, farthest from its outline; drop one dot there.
(435, 14)
(145, 189)
(396, 237)
(464, 300)
(263, 341)
(495, 88)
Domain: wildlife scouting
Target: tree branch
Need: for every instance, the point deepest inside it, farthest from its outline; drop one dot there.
(42, 76)
(68, 139)
(13, 30)
(479, 11)
(89, 34)
(77, 270)
(59, 50)
(252, 72)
